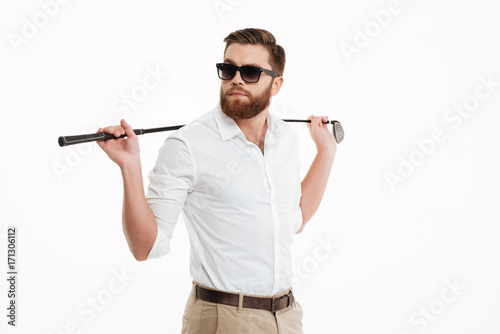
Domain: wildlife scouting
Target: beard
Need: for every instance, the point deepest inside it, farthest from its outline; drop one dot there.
(236, 108)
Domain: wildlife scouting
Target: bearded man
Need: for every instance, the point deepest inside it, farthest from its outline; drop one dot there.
(235, 174)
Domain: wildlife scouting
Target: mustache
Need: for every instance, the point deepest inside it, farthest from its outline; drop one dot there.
(238, 89)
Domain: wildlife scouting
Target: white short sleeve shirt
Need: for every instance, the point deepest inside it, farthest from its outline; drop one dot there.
(241, 207)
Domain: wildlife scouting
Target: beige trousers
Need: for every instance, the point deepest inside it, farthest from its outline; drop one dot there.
(202, 317)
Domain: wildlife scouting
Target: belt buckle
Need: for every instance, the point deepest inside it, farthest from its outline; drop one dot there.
(289, 299)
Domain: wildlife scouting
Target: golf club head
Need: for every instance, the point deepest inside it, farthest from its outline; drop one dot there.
(338, 132)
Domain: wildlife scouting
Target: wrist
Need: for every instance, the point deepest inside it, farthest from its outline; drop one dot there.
(130, 166)
(327, 152)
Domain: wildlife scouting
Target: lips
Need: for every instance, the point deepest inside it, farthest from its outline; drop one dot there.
(237, 93)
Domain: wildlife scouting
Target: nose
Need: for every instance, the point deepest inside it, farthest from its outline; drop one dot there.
(237, 80)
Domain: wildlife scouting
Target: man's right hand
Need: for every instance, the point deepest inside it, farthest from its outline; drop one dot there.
(123, 151)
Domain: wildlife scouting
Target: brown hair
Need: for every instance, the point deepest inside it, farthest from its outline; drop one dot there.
(260, 37)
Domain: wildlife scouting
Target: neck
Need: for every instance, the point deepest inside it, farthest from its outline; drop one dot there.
(254, 128)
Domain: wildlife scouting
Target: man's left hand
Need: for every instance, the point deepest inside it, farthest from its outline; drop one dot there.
(322, 135)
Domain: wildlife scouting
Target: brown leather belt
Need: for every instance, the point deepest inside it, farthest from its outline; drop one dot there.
(272, 304)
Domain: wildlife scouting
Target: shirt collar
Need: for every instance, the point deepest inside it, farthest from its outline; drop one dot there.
(228, 127)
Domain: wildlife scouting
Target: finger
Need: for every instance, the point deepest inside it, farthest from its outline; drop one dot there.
(108, 129)
(116, 130)
(128, 129)
(316, 121)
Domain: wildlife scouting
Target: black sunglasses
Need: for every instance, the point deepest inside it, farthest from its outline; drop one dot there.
(250, 74)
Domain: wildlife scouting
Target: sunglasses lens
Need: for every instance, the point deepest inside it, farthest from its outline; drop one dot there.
(250, 73)
(226, 71)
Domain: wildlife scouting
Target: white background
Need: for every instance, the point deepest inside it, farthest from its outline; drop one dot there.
(398, 249)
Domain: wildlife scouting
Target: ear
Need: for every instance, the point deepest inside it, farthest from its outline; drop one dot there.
(278, 82)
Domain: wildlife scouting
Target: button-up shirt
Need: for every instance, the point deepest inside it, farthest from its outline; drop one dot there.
(241, 206)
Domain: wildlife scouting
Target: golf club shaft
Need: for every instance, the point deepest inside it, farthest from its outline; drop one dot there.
(98, 136)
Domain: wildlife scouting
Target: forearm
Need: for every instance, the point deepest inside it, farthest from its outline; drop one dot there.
(139, 224)
(314, 184)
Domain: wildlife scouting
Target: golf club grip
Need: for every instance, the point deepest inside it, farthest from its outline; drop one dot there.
(78, 139)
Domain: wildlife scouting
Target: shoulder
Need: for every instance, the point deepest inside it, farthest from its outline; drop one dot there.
(284, 130)
(197, 128)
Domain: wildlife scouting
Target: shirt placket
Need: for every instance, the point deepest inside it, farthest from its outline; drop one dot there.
(264, 163)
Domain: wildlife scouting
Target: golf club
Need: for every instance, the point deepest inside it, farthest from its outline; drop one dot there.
(338, 133)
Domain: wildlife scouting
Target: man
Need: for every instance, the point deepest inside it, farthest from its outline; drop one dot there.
(234, 172)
